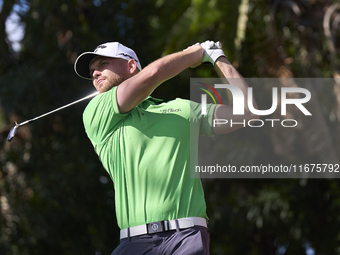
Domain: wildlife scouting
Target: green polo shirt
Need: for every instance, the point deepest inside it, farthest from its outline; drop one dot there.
(147, 154)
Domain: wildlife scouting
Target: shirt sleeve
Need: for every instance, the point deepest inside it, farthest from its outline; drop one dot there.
(205, 121)
(101, 116)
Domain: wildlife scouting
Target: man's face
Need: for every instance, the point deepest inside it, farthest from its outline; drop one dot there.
(107, 72)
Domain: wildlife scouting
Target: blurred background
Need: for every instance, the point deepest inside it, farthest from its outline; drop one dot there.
(55, 197)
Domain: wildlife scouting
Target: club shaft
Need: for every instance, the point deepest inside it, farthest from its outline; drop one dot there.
(60, 108)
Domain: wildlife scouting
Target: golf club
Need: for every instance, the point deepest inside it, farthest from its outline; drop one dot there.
(11, 133)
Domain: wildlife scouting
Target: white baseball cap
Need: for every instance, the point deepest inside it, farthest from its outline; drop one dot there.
(110, 49)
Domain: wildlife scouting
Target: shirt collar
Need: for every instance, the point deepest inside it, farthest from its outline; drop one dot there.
(156, 100)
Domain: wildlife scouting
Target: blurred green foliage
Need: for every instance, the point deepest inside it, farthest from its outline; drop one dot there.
(55, 197)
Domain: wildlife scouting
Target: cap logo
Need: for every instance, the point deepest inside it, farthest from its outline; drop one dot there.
(100, 47)
(127, 55)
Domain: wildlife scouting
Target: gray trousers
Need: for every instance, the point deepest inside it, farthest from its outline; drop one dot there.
(189, 241)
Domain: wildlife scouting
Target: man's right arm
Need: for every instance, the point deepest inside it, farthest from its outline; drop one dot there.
(134, 90)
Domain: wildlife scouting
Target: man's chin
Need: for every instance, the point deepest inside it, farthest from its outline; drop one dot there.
(106, 86)
(103, 89)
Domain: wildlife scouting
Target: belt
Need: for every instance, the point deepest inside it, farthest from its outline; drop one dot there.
(162, 226)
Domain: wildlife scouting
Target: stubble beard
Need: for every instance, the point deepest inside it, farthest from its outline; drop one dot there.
(110, 83)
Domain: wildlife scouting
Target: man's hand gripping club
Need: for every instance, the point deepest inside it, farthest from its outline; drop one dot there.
(212, 51)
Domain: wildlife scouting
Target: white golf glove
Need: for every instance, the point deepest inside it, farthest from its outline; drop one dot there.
(212, 51)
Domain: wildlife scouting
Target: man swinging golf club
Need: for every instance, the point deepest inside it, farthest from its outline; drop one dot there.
(145, 148)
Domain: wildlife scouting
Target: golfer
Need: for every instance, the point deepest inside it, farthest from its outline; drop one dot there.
(144, 145)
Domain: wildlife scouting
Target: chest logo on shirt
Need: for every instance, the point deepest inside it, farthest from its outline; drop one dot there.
(170, 110)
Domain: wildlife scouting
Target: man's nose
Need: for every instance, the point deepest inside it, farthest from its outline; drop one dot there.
(96, 73)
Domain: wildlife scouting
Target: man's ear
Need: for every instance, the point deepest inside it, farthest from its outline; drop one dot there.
(132, 66)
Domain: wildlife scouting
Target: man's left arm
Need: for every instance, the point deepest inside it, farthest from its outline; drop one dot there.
(225, 70)
(215, 55)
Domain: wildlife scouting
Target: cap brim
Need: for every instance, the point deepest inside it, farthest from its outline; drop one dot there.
(82, 64)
